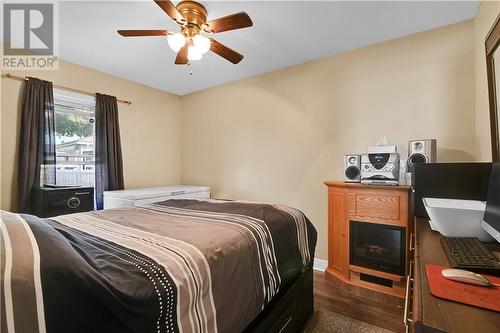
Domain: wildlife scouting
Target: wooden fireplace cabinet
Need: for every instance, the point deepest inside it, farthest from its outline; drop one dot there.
(386, 205)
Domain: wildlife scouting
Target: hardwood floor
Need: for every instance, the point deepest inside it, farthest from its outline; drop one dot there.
(379, 309)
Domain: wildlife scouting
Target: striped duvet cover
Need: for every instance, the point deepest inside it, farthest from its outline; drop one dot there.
(174, 266)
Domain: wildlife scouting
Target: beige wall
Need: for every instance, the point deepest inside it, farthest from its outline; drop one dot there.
(150, 127)
(278, 136)
(485, 17)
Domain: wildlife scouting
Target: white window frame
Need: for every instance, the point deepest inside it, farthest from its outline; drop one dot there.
(64, 98)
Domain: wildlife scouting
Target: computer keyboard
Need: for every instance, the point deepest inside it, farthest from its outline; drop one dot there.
(469, 253)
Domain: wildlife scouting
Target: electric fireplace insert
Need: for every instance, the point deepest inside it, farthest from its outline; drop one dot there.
(377, 246)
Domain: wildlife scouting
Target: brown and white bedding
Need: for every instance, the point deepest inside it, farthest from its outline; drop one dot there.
(173, 266)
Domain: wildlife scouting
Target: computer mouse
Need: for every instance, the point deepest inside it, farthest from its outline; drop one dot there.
(465, 276)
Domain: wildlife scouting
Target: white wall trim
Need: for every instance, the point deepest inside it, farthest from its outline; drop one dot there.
(320, 264)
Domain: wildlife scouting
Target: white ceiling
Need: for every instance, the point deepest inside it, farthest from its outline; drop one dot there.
(284, 34)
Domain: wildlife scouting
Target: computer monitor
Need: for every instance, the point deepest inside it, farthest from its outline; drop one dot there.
(491, 219)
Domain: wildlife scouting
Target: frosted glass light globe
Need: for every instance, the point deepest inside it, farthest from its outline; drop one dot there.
(176, 41)
(202, 43)
(194, 54)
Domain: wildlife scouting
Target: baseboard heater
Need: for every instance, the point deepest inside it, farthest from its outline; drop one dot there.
(376, 280)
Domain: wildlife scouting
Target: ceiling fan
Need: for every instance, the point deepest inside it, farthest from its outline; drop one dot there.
(191, 43)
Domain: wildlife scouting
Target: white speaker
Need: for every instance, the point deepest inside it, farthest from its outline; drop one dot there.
(421, 151)
(352, 168)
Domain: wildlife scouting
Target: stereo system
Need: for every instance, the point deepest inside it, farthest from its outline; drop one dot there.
(381, 165)
(380, 168)
(352, 165)
(421, 151)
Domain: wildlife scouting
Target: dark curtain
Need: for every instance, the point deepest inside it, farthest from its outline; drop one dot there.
(37, 145)
(108, 150)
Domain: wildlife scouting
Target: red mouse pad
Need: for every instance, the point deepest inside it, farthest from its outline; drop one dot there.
(483, 297)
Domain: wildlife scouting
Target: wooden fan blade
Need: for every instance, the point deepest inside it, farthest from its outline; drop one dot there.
(230, 22)
(140, 33)
(169, 8)
(225, 52)
(182, 56)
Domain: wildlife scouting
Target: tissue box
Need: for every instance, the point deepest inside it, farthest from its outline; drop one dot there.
(382, 149)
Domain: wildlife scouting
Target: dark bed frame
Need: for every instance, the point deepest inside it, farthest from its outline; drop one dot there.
(289, 310)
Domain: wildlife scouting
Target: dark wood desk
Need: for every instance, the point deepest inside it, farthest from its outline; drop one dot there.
(432, 314)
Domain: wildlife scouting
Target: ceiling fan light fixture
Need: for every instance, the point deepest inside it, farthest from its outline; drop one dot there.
(201, 43)
(176, 41)
(194, 53)
(195, 36)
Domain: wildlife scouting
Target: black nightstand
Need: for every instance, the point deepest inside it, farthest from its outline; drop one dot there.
(48, 201)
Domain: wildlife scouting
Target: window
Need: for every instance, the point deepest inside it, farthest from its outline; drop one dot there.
(74, 129)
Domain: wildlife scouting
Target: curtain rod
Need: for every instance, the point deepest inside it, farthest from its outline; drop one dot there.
(25, 78)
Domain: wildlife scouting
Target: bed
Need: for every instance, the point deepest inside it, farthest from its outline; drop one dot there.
(173, 266)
